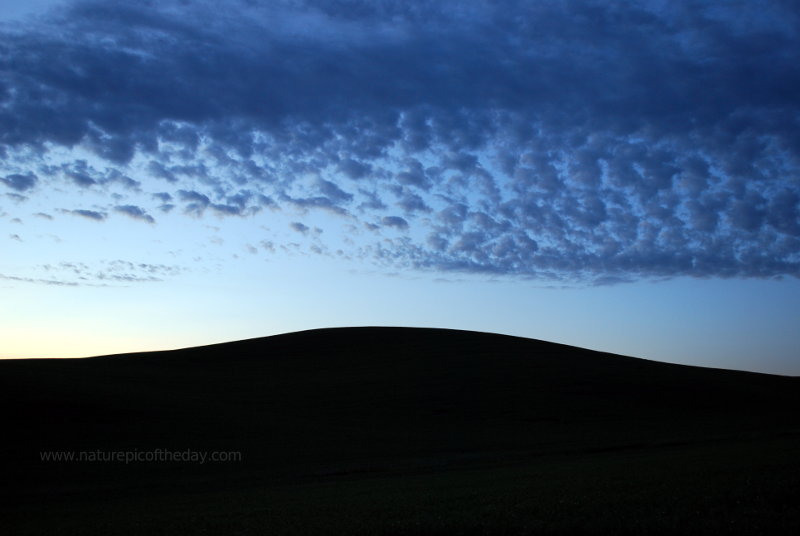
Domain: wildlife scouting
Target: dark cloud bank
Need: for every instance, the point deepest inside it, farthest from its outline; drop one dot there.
(575, 140)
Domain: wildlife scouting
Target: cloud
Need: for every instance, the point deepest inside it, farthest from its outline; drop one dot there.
(135, 272)
(20, 182)
(196, 202)
(353, 168)
(137, 213)
(194, 197)
(88, 214)
(333, 192)
(51, 282)
(394, 221)
(103, 274)
(579, 140)
(299, 227)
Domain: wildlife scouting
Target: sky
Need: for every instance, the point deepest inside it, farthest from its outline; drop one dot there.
(621, 176)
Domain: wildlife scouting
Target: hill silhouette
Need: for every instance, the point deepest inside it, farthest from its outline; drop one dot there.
(398, 431)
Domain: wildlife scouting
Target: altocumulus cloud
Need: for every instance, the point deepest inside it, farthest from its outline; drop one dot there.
(135, 212)
(582, 140)
(84, 213)
(105, 273)
(19, 182)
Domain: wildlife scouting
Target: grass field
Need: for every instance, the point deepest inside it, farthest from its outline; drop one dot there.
(399, 431)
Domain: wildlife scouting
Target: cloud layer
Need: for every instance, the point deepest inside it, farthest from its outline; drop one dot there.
(106, 273)
(569, 140)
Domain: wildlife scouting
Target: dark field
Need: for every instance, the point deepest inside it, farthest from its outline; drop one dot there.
(399, 431)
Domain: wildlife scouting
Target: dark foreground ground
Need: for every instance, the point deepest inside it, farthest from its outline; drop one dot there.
(375, 431)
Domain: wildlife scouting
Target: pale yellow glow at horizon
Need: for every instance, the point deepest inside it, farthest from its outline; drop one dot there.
(70, 345)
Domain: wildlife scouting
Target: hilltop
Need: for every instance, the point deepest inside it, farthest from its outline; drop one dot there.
(395, 429)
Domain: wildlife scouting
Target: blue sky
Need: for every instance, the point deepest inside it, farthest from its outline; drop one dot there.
(620, 176)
